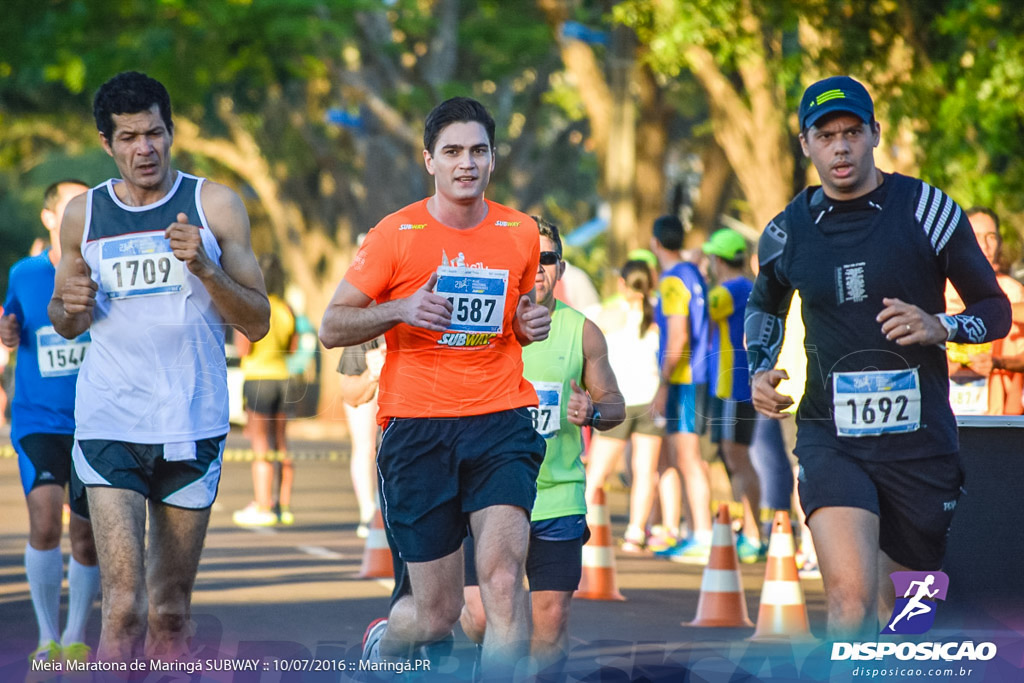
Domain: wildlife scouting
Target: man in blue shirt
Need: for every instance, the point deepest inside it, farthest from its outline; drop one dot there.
(42, 432)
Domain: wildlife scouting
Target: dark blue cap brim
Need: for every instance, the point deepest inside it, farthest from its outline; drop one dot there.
(833, 106)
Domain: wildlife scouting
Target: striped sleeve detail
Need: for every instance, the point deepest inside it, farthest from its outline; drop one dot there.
(938, 215)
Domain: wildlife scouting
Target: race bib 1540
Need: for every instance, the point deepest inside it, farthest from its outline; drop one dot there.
(58, 356)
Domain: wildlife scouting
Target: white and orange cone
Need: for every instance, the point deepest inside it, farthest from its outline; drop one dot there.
(722, 602)
(598, 581)
(782, 614)
(377, 555)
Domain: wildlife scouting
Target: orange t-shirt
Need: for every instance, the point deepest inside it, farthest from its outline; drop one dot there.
(476, 367)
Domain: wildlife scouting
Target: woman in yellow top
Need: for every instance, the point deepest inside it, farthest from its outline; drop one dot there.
(264, 394)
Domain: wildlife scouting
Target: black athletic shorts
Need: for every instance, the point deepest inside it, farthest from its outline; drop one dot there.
(435, 471)
(639, 420)
(181, 476)
(265, 396)
(550, 565)
(46, 459)
(914, 499)
(732, 420)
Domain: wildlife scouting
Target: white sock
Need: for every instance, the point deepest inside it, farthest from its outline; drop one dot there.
(83, 585)
(703, 537)
(45, 570)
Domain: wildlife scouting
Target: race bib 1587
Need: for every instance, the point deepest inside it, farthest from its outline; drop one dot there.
(477, 296)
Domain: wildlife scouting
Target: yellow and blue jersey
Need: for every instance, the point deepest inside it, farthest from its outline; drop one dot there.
(682, 291)
(729, 374)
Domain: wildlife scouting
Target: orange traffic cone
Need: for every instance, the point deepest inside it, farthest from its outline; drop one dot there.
(783, 612)
(598, 581)
(377, 555)
(722, 602)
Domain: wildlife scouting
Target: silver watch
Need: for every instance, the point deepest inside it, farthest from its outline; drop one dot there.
(949, 322)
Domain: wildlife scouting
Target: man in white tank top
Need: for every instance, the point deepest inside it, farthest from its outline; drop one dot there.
(154, 264)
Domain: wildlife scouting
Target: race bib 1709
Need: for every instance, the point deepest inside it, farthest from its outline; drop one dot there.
(139, 265)
(58, 356)
(547, 415)
(876, 402)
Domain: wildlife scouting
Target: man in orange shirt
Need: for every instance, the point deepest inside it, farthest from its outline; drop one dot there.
(453, 279)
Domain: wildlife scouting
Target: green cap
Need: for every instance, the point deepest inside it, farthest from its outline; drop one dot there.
(725, 243)
(644, 255)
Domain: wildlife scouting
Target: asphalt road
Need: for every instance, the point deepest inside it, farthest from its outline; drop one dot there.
(292, 595)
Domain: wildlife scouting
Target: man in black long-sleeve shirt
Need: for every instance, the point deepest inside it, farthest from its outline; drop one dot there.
(869, 253)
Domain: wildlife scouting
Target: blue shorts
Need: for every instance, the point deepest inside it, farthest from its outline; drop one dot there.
(45, 459)
(188, 478)
(686, 411)
(914, 499)
(435, 471)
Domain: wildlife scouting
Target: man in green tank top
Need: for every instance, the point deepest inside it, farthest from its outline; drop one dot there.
(575, 387)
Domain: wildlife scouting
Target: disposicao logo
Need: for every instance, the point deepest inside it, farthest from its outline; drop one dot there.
(916, 596)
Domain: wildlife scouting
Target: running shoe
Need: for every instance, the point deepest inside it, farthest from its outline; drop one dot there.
(47, 652)
(634, 540)
(749, 551)
(690, 551)
(661, 540)
(437, 651)
(284, 515)
(809, 568)
(253, 515)
(371, 640)
(75, 652)
(363, 530)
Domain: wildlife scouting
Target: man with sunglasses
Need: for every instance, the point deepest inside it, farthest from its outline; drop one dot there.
(453, 277)
(575, 386)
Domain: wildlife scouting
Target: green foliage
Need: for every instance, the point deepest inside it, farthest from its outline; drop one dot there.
(281, 64)
(975, 144)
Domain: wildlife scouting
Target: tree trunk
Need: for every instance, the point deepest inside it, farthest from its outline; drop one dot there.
(620, 169)
(651, 149)
(715, 180)
(752, 133)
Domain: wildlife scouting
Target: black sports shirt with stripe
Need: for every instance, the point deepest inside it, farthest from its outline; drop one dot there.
(902, 240)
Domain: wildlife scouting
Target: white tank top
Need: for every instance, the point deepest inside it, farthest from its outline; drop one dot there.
(633, 358)
(156, 370)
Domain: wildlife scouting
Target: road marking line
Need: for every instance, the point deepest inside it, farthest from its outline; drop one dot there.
(317, 551)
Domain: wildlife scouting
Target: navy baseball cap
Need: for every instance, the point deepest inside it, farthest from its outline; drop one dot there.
(838, 93)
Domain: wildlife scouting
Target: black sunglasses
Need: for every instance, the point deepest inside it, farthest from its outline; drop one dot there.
(549, 258)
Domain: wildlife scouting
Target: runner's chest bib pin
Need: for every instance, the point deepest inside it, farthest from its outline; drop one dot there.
(876, 402)
(477, 296)
(58, 356)
(547, 415)
(139, 265)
